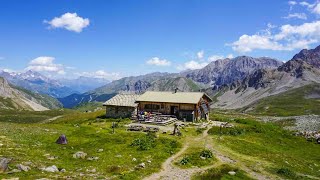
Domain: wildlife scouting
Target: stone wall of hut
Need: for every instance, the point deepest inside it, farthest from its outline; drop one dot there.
(120, 111)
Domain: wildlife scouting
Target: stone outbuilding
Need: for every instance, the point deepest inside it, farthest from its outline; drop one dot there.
(121, 106)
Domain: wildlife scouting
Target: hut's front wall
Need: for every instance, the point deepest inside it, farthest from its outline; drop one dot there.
(182, 111)
(120, 111)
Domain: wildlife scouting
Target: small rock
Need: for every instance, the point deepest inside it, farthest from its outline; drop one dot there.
(134, 159)
(203, 158)
(142, 165)
(232, 173)
(148, 161)
(100, 150)
(92, 158)
(23, 168)
(51, 169)
(92, 170)
(119, 156)
(62, 139)
(79, 155)
(63, 170)
(14, 171)
(4, 164)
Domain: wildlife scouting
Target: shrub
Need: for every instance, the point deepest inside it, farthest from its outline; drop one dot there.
(145, 143)
(185, 160)
(286, 172)
(206, 153)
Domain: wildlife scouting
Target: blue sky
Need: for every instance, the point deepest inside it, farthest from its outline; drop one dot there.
(117, 38)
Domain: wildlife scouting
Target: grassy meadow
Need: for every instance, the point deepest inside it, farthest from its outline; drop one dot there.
(32, 142)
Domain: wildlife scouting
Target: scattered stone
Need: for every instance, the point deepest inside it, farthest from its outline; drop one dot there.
(142, 165)
(92, 158)
(63, 170)
(148, 161)
(203, 158)
(51, 169)
(79, 155)
(119, 156)
(232, 173)
(81, 174)
(4, 164)
(62, 139)
(14, 171)
(23, 168)
(92, 170)
(28, 163)
(100, 150)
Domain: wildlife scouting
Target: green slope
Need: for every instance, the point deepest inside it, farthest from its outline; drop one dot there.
(300, 101)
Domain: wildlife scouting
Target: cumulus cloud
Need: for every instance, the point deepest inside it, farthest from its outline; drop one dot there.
(292, 3)
(191, 65)
(288, 37)
(296, 16)
(215, 57)
(69, 21)
(100, 74)
(158, 62)
(312, 7)
(200, 54)
(45, 64)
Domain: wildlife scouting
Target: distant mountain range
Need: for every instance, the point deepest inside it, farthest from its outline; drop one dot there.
(39, 83)
(233, 83)
(12, 97)
(217, 72)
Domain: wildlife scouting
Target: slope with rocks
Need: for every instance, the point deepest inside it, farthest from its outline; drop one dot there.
(225, 71)
(12, 97)
(262, 83)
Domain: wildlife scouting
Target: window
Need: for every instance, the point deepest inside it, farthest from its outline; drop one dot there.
(152, 106)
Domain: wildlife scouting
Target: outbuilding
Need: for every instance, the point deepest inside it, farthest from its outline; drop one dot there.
(121, 106)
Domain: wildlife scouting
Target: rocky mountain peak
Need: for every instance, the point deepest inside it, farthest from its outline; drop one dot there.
(311, 56)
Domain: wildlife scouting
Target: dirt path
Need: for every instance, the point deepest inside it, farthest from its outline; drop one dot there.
(50, 120)
(171, 172)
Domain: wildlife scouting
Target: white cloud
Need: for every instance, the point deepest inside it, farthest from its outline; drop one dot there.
(100, 74)
(215, 57)
(230, 56)
(247, 43)
(191, 65)
(314, 8)
(158, 62)
(288, 38)
(200, 54)
(297, 16)
(45, 64)
(306, 4)
(69, 21)
(292, 3)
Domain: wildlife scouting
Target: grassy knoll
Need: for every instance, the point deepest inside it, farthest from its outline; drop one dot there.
(267, 147)
(300, 101)
(30, 142)
(221, 172)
